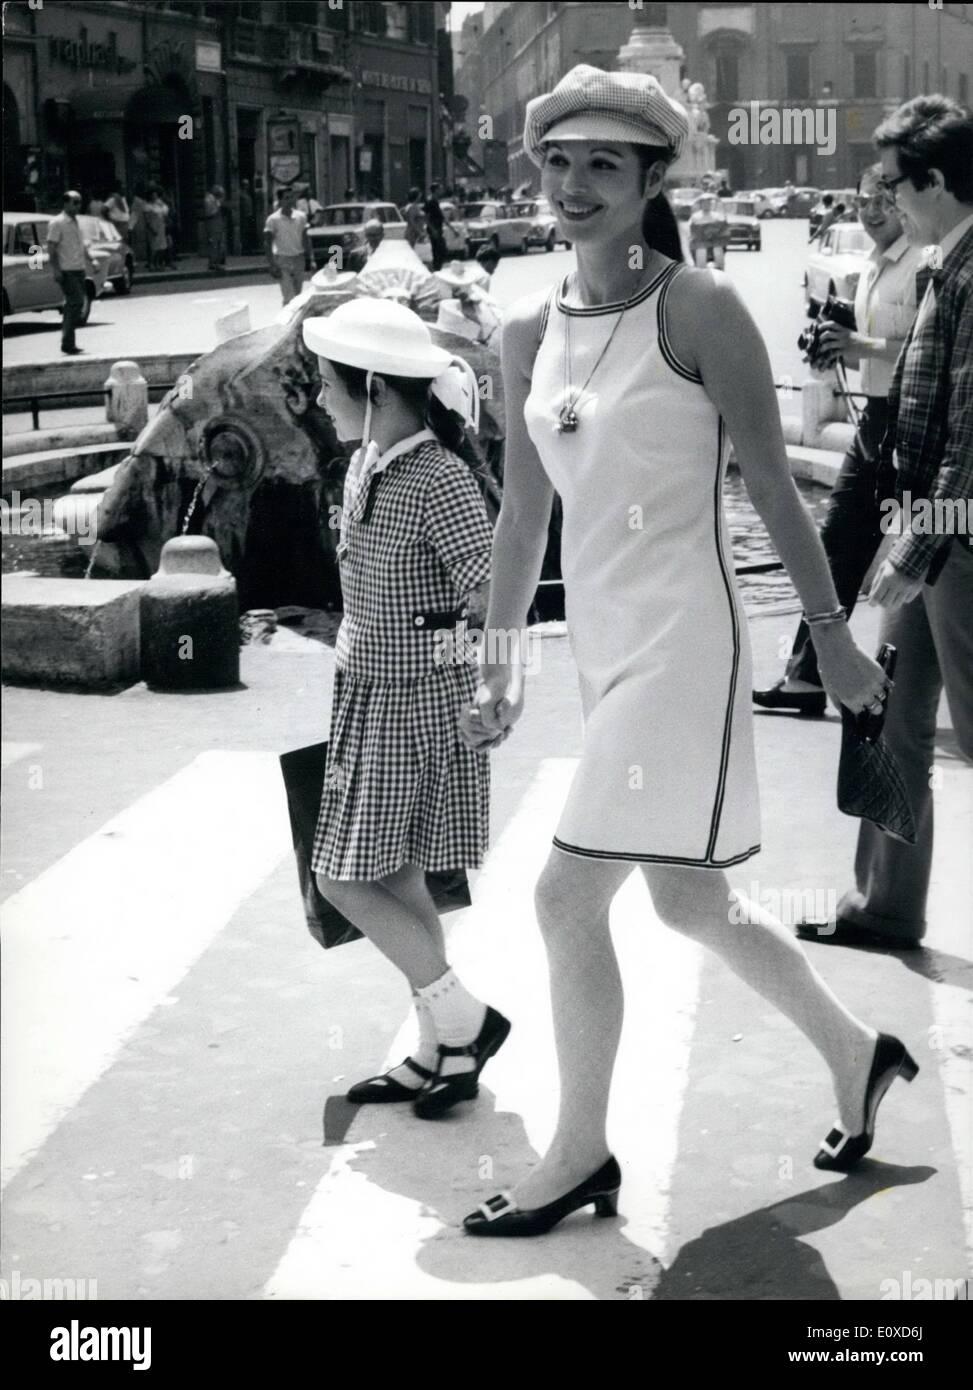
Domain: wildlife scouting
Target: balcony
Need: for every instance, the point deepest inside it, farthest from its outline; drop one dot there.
(295, 51)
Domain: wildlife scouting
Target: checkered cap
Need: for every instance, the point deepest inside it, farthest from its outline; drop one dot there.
(629, 106)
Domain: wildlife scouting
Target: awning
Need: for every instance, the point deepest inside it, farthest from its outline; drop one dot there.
(128, 101)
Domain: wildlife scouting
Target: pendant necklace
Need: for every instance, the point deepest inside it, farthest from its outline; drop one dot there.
(567, 419)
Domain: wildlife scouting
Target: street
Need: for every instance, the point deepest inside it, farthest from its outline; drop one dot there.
(148, 321)
(175, 1045)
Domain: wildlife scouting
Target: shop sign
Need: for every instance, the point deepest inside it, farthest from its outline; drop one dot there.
(284, 149)
(79, 53)
(395, 83)
(209, 56)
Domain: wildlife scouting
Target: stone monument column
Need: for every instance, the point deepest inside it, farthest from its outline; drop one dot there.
(651, 48)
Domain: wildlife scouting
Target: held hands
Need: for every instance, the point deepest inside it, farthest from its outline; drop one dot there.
(497, 705)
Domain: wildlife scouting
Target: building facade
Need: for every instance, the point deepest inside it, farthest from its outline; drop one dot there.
(248, 94)
(854, 61)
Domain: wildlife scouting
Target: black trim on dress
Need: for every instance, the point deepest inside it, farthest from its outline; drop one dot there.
(592, 309)
(654, 858)
(665, 347)
(734, 672)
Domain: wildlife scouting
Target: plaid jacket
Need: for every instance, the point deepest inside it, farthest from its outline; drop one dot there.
(931, 409)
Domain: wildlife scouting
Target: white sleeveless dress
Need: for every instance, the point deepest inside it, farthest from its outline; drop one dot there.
(656, 626)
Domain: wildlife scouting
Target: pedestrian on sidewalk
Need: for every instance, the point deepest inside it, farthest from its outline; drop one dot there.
(288, 245)
(415, 221)
(885, 306)
(117, 212)
(155, 212)
(435, 224)
(71, 265)
(925, 584)
(215, 225)
(139, 228)
(635, 444)
(403, 794)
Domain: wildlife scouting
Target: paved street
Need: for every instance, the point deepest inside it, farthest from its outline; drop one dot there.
(179, 317)
(173, 1037)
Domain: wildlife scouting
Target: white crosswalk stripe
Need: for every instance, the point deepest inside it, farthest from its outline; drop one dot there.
(95, 942)
(497, 951)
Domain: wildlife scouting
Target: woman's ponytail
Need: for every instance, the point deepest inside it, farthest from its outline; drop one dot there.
(660, 229)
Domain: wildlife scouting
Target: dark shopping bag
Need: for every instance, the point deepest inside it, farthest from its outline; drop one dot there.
(303, 773)
(870, 784)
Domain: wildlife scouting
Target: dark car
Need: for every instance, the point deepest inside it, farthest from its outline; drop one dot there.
(741, 214)
(341, 227)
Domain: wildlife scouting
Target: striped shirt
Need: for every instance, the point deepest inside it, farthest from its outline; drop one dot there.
(419, 547)
(931, 404)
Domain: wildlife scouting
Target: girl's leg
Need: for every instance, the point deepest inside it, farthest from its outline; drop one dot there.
(753, 943)
(395, 928)
(572, 898)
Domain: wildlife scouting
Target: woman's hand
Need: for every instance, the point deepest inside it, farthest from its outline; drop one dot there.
(497, 705)
(849, 676)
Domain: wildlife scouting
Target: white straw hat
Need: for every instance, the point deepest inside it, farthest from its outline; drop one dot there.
(376, 335)
(462, 273)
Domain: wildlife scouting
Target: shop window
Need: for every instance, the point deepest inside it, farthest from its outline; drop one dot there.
(397, 21)
(370, 17)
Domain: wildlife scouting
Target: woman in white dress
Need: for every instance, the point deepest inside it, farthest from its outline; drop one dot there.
(644, 369)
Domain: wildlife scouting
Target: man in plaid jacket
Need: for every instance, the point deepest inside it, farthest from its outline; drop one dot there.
(925, 584)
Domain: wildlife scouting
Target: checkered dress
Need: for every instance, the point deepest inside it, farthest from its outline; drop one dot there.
(400, 787)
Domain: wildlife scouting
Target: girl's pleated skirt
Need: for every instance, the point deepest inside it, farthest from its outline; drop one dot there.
(400, 787)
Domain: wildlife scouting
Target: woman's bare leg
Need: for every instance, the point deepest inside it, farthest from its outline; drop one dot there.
(700, 904)
(573, 896)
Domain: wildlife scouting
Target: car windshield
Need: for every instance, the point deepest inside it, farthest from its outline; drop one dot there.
(352, 216)
(523, 209)
(485, 210)
(740, 206)
(853, 239)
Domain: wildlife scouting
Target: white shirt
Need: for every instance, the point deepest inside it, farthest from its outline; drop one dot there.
(885, 305)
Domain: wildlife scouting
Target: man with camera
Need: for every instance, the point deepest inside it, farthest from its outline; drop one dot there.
(885, 306)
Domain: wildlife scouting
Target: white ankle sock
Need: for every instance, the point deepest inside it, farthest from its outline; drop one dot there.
(425, 1050)
(457, 1017)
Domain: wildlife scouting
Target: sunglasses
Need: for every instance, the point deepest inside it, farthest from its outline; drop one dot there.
(889, 186)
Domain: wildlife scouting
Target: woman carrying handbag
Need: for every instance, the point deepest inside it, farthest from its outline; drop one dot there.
(403, 794)
(645, 368)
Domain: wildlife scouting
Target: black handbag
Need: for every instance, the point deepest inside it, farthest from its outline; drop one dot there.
(303, 773)
(870, 785)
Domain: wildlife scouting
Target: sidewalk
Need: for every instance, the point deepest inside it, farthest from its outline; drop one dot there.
(198, 268)
(188, 1031)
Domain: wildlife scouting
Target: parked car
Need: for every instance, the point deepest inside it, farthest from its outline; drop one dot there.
(741, 214)
(496, 222)
(100, 235)
(682, 201)
(760, 200)
(543, 229)
(800, 202)
(28, 280)
(835, 264)
(342, 226)
(709, 231)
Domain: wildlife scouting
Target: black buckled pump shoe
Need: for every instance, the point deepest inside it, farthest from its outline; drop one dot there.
(501, 1216)
(384, 1089)
(840, 1151)
(809, 702)
(441, 1093)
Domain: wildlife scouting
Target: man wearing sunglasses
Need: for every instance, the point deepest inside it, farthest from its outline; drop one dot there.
(925, 584)
(71, 264)
(885, 305)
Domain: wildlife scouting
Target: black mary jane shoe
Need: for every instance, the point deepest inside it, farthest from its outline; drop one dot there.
(840, 1151)
(810, 702)
(501, 1216)
(441, 1093)
(384, 1089)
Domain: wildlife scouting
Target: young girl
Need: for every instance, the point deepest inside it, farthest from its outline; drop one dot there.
(403, 794)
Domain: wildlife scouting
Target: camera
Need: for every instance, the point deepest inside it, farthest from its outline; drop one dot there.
(834, 310)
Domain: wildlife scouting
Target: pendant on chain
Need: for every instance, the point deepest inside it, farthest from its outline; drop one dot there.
(567, 421)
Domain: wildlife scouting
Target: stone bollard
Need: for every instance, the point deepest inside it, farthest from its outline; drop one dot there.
(820, 407)
(127, 399)
(189, 619)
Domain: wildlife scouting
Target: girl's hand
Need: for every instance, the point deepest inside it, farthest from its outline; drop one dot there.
(497, 705)
(849, 676)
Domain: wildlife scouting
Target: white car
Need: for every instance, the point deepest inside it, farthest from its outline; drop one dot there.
(835, 264)
(28, 280)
